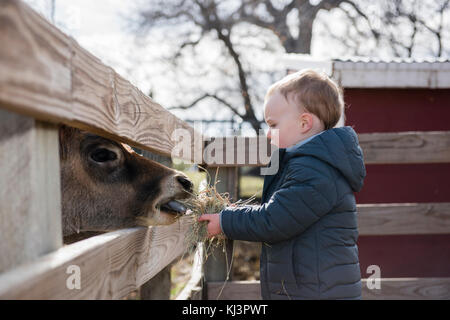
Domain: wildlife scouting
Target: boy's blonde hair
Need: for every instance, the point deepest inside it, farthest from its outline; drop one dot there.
(315, 92)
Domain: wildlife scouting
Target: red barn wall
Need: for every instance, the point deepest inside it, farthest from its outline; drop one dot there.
(396, 110)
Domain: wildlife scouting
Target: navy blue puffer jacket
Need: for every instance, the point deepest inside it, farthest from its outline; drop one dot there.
(307, 220)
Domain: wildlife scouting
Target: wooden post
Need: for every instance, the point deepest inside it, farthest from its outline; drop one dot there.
(218, 264)
(158, 287)
(30, 195)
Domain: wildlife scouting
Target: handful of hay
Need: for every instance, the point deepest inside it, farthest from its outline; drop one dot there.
(208, 200)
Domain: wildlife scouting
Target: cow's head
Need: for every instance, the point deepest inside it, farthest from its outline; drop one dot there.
(107, 186)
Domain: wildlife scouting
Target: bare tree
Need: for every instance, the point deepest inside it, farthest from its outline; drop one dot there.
(400, 27)
(426, 16)
(202, 17)
(295, 39)
(291, 23)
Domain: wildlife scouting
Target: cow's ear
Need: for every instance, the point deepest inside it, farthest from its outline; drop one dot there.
(65, 134)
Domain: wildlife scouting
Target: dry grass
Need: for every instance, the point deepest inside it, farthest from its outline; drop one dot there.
(207, 201)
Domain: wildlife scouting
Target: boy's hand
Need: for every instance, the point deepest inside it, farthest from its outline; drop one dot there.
(213, 223)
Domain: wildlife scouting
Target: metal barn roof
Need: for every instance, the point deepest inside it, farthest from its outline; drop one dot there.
(367, 72)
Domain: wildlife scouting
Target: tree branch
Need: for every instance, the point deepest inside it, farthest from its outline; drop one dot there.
(205, 96)
(375, 33)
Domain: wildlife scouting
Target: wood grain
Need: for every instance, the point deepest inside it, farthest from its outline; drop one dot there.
(30, 196)
(390, 289)
(404, 218)
(46, 74)
(409, 289)
(233, 290)
(158, 287)
(219, 263)
(112, 265)
(378, 148)
(406, 147)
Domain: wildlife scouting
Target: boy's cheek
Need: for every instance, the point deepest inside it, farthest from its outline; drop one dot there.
(275, 137)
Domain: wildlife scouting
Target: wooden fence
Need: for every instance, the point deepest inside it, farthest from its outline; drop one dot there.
(47, 79)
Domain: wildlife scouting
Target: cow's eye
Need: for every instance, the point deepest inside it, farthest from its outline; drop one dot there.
(103, 155)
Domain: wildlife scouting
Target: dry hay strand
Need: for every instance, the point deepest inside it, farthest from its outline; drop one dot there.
(207, 201)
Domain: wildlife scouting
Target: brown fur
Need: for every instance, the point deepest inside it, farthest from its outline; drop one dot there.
(104, 196)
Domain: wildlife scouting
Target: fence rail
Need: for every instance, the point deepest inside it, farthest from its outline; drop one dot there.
(389, 289)
(404, 218)
(378, 148)
(406, 147)
(112, 265)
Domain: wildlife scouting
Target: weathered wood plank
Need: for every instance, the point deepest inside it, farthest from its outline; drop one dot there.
(233, 290)
(378, 148)
(219, 263)
(404, 218)
(47, 75)
(111, 265)
(158, 287)
(409, 289)
(30, 196)
(406, 147)
(35, 71)
(390, 289)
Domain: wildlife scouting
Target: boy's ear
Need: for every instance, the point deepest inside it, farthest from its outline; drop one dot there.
(306, 122)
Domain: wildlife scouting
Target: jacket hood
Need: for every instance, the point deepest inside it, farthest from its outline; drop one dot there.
(339, 147)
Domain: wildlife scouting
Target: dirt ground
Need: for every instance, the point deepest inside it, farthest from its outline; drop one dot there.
(245, 266)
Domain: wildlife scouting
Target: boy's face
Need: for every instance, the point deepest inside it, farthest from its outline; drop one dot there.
(284, 121)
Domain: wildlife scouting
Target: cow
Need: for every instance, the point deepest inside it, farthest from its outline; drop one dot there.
(105, 186)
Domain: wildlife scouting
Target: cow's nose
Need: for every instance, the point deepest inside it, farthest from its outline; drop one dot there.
(186, 183)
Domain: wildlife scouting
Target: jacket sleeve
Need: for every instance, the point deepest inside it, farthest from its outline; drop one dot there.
(307, 193)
